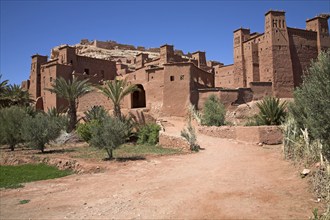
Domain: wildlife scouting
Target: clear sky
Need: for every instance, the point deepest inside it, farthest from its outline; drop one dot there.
(30, 27)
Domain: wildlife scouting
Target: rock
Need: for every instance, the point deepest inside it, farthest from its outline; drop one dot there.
(305, 172)
(260, 144)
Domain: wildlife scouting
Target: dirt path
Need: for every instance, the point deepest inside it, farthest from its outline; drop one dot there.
(227, 180)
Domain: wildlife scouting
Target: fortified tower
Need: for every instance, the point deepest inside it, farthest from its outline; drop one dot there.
(35, 77)
(166, 53)
(280, 70)
(67, 55)
(240, 35)
(200, 57)
(319, 24)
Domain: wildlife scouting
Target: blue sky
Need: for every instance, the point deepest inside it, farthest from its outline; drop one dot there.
(29, 27)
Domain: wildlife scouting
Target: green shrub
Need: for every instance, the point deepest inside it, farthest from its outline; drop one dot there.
(39, 130)
(96, 113)
(190, 135)
(11, 120)
(214, 112)
(311, 107)
(149, 134)
(307, 129)
(130, 124)
(109, 134)
(271, 111)
(85, 130)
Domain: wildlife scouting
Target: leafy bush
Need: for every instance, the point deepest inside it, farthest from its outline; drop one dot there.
(109, 134)
(41, 129)
(130, 124)
(85, 130)
(190, 135)
(214, 112)
(311, 107)
(11, 120)
(271, 111)
(96, 113)
(149, 134)
(307, 129)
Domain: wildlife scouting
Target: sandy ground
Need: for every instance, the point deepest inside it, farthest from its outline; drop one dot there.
(227, 180)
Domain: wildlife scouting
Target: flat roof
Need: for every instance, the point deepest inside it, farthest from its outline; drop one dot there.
(275, 11)
(241, 28)
(166, 45)
(326, 17)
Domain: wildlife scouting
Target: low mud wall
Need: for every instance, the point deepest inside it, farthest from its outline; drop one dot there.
(228, 132)
(251, 134)
(173, 142)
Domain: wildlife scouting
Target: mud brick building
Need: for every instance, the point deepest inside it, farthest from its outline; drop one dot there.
(275, 58)
(269, 63)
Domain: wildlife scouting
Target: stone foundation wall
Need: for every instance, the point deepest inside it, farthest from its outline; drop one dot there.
(173, 142)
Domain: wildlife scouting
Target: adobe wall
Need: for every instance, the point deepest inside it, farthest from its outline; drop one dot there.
(250, 134)
(98, 69)
(65, 72)
(261, 89)
(228, 97)
(152, 81)
(224, 76)
(176, 89)
(200, 96)
(228, 132)
(265, 58)
(34, 87)
(303, 49)
(154, 90)
(259, 134)
(48, 76)
(251, 61)
(94, 98)
(200, 78)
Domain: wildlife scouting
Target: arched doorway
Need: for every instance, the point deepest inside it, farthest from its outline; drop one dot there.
(40, 103)
(139, 98)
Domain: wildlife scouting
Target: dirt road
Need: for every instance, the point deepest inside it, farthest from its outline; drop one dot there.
(227, 180)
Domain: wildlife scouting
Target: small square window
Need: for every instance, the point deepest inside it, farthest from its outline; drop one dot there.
(172, 78)
(182, 77)
(50, 79)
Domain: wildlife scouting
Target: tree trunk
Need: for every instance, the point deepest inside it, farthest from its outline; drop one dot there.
(11, 147)
(109, 151)
(117, 111)
(42, 148)
(72, 116)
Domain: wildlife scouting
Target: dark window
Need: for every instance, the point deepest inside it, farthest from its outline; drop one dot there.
(50, 79)
(182, 77)
(172, 78)
(275, 23)
(86, 71)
